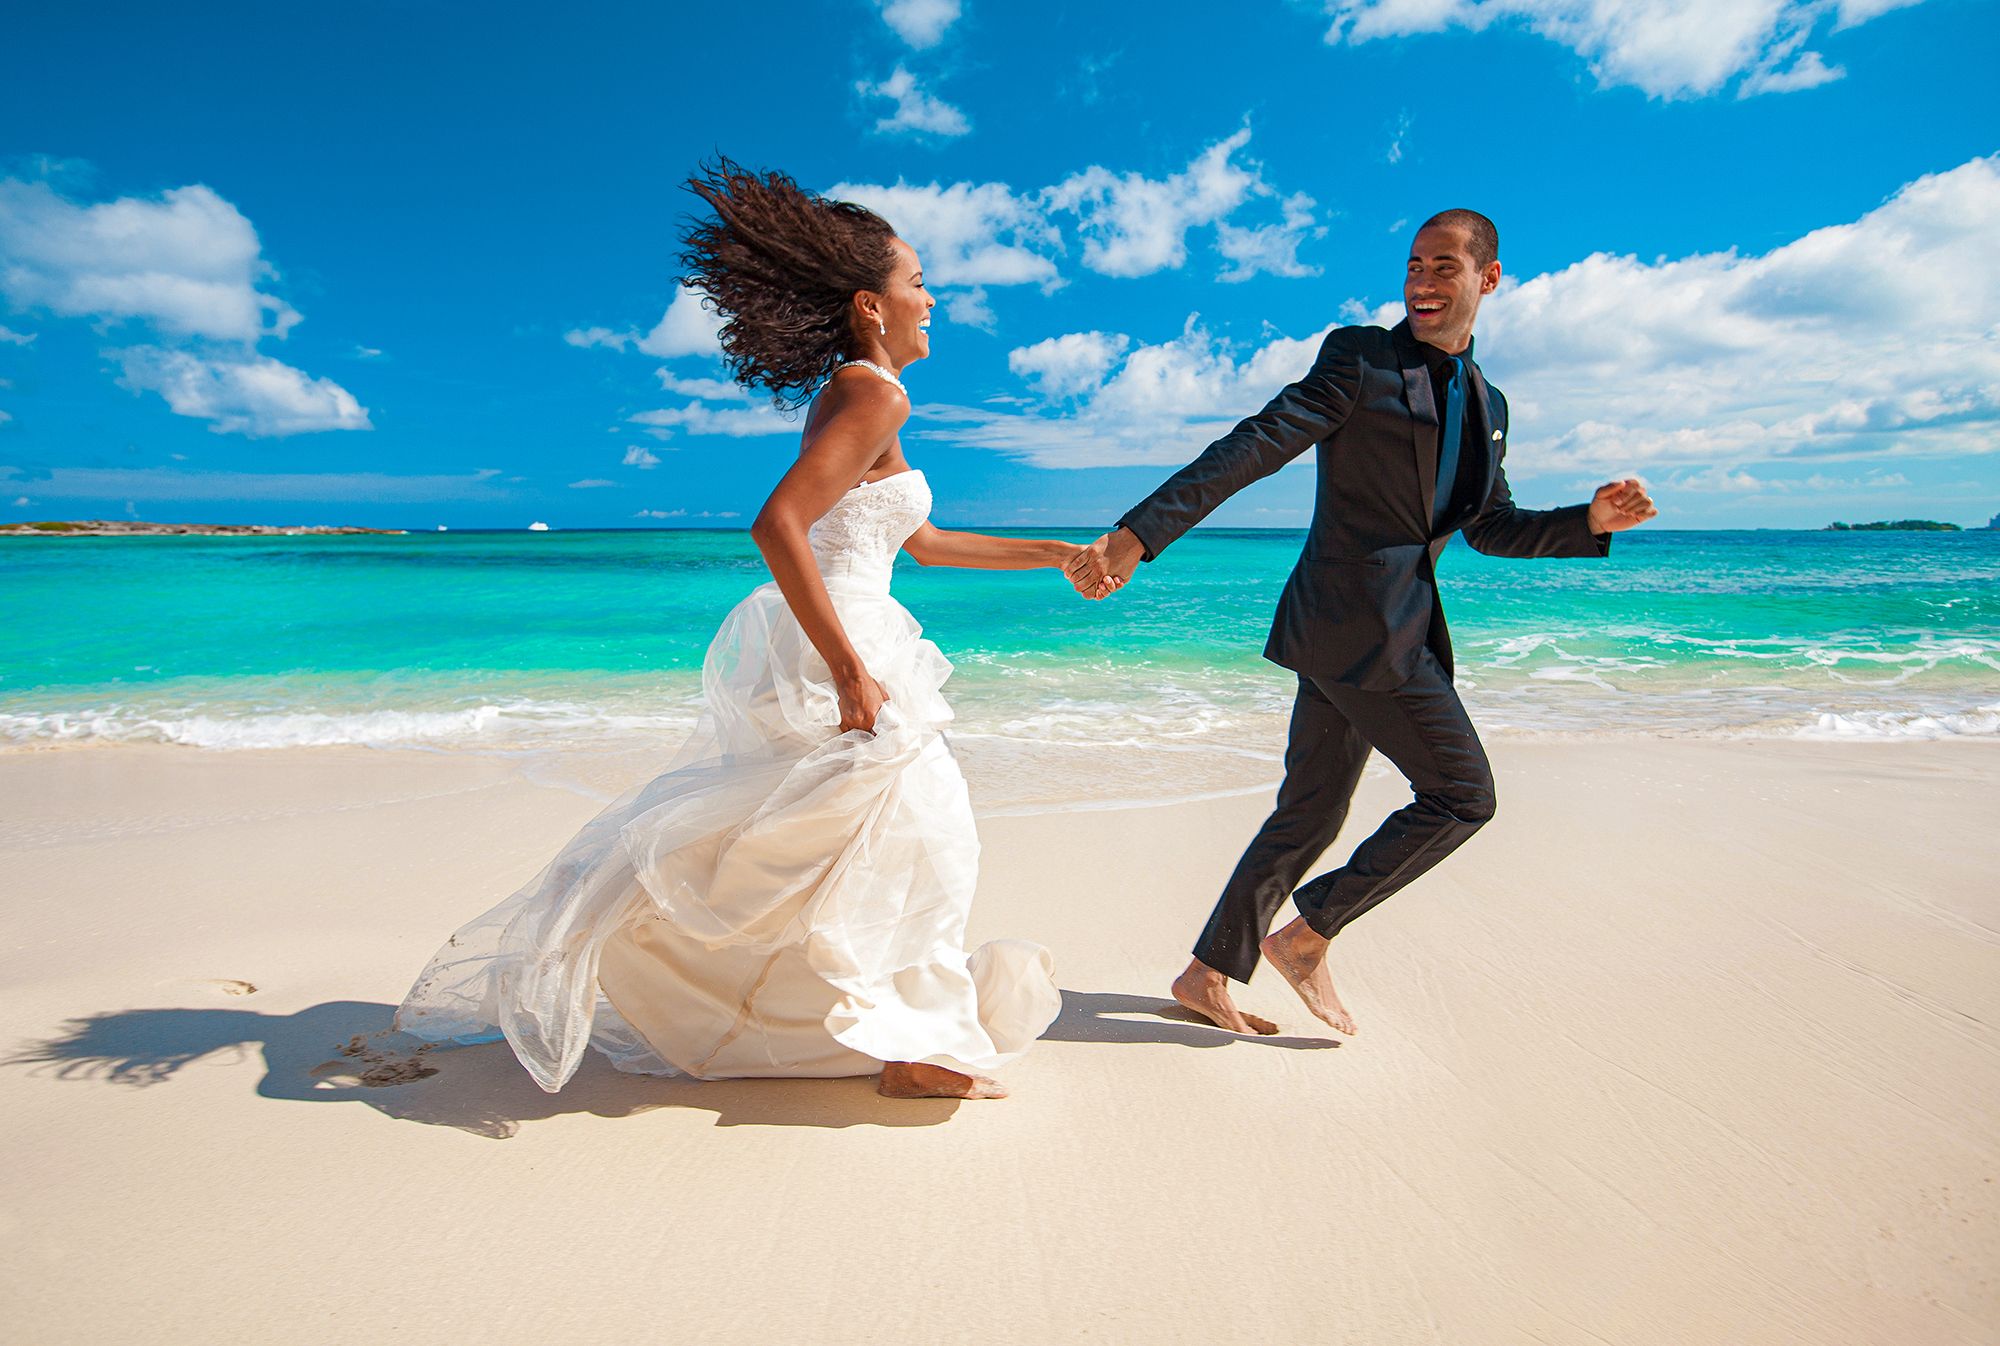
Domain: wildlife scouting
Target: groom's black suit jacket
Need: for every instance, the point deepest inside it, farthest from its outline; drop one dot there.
(1361, 604)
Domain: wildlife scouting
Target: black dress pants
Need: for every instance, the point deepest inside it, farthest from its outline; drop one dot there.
(1422, 727)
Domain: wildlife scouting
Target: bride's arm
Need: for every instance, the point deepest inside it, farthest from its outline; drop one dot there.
(931, 546)
(859, 420)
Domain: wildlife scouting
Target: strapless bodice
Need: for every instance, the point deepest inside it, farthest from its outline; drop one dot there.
(857, 540)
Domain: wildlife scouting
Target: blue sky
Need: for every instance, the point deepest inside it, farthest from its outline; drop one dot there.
(404, 266)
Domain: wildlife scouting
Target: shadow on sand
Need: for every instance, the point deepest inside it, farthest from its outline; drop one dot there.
(1108, 1016)
(344, 1051)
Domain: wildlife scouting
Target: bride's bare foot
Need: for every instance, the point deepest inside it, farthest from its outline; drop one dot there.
(914, 1079)
(1299, 952)
(1205, 991)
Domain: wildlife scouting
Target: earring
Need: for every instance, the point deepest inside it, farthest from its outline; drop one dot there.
(882, 327)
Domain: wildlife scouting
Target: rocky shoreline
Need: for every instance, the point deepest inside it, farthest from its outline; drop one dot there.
(138, 528)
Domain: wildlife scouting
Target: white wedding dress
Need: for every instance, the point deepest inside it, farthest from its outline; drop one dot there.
(785, 899)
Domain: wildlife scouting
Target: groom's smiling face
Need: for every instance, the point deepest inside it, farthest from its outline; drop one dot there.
(1442, 287)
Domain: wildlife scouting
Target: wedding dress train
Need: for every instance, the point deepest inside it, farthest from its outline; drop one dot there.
(784, 899)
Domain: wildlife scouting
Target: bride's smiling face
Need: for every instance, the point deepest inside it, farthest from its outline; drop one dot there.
(903, 307)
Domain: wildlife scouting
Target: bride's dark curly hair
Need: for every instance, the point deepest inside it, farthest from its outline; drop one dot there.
(782, 266)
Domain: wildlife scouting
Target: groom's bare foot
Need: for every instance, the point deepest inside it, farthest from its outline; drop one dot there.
(914, 1079)
(1299, 952)
(1205, 991)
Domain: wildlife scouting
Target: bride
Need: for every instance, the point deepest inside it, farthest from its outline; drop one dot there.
(790, 896)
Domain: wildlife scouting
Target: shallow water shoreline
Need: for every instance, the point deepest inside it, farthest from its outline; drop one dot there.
(1008, 775)
(512, 640)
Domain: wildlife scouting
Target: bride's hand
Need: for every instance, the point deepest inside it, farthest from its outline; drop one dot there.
(1068, 556)
(1088, 569)
(861, 699)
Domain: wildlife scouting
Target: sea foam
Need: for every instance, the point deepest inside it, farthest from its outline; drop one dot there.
(473, 726)
(1892, 724)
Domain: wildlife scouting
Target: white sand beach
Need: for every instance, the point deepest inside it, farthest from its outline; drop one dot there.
(1694, 1044)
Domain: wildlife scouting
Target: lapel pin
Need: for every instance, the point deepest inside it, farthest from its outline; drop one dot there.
(1496, 434)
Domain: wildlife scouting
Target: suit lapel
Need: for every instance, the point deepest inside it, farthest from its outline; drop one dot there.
(1481, 412)
(1423, 427)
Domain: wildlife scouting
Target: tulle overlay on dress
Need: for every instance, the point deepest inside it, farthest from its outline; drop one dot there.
(784, 899)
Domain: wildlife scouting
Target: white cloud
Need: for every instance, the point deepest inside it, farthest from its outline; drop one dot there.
(1854, 12)
(1067, 365)
(688, 327)
(973, 236)
(969, 308)
(171, 484)
(1398, 139)
(599, 336)
(188, 263)
(1272, 248)
(1668, 48)
(1736, 481)
(1716, 480)
(1162, 405)
(590, 483)
(13, 338)
(683, 514)
(698, 418)
(22, 502)
(252, 394)
(639, 457)
(1841, 345)
(967, 233)
(1809, 71)
(1886, 481)
(1133, 225)
(716, 390)
(916, 111)
(189, 266)
(987, 234)
(921, 23)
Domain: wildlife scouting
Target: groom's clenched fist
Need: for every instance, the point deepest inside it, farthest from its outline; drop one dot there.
(1619, 505)
(1105, 564)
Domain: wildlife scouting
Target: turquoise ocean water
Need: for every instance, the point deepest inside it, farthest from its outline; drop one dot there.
(512, 640)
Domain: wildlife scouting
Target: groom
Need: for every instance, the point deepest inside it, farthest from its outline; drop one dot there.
(1410, 438)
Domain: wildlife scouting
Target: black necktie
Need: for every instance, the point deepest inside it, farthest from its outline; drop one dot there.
(1448, 444)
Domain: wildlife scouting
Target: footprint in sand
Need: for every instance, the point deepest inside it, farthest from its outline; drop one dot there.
(405, 1071)
(382, 1068)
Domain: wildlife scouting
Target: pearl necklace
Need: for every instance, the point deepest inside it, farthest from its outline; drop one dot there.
(879, 372)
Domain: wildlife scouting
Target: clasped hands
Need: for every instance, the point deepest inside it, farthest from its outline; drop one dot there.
(1102, 568)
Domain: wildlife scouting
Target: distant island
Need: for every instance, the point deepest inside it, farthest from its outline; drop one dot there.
(1894, 526)
(137, 528)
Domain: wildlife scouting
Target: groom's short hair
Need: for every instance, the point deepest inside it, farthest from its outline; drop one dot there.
(1480, 234)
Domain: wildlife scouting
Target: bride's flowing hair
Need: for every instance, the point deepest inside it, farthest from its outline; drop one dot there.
(782, 266)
